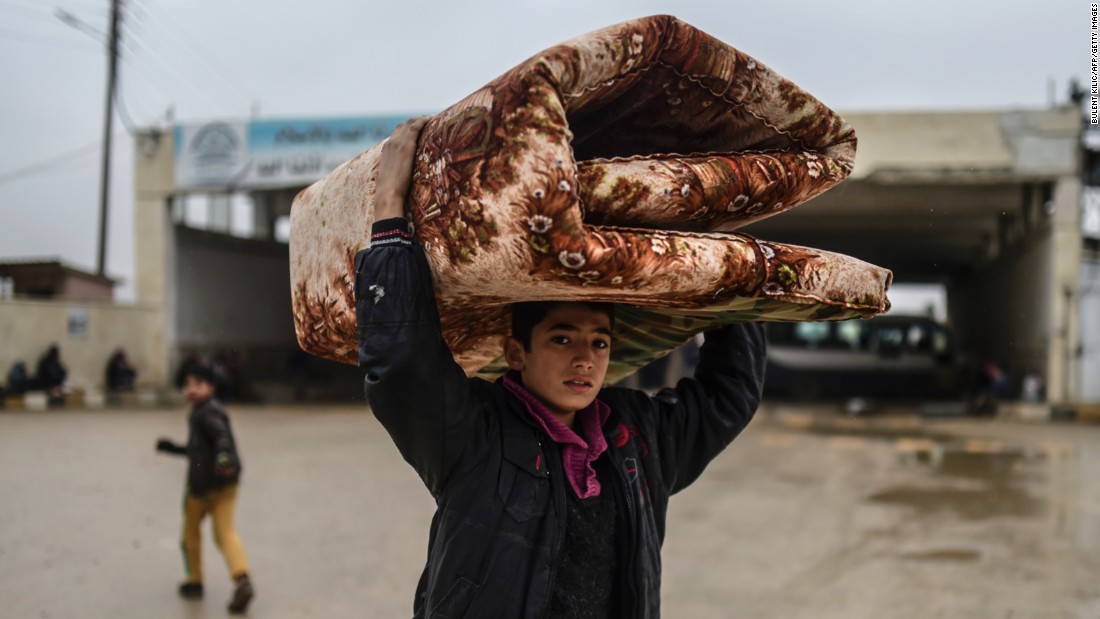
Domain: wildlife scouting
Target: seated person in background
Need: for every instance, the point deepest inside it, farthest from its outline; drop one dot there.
(51, 373)
(19, 382)
(120, 374)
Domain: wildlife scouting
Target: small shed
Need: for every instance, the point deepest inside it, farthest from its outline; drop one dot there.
(50, 278)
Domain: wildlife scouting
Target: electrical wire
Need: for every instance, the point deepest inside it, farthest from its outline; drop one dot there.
(127, 58)
(120, 107)
(76, 22)
(183, 81)
(49, 41)
(178, 32)
(49, 164)
(25, 12)
(126, 88)
(102, 9)
(152, 53)
(123, 88)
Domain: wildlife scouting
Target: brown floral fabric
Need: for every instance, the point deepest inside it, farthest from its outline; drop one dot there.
(613, 167)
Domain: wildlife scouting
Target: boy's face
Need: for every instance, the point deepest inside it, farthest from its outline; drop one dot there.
(566, 364)
(197, 390)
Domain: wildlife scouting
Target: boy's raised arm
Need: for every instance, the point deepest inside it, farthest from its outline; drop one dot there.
(413, 385)
(701, 416)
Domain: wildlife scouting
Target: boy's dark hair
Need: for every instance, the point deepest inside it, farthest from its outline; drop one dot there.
(527, 314)
(200, 372)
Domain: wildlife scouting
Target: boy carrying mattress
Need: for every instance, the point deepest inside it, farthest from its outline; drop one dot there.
(551, 501)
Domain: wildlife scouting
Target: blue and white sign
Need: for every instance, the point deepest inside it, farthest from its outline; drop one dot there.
(269, 154)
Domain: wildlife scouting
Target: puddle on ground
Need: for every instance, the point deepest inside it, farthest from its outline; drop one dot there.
(890, 429)
(955, 555)
(970, 503)
(957, 461)
(992, 474)
(947, 454)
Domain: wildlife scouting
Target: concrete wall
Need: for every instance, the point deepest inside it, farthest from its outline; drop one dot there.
(231, 292)
(1021, 310)
(1001, 314)
(232, 297)
(27, 328)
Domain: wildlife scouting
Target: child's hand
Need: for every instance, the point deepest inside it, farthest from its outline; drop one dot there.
(166, 445)
(225, 465)
(395, 168)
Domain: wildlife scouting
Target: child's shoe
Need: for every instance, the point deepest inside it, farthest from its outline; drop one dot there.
(242, 595)
(191, 590)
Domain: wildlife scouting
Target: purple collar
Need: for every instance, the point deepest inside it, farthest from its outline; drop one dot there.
(580, 448)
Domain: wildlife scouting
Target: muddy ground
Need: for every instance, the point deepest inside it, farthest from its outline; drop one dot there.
(808, 514)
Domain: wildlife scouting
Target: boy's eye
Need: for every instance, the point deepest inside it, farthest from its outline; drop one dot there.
(559, 339)
(601, 344)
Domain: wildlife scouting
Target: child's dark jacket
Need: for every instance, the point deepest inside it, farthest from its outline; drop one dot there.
(211, 451)
(497, 478)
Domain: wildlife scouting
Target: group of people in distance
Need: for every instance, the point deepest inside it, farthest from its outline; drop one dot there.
(51, 374)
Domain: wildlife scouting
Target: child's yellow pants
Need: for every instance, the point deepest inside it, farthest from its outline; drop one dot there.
(220, 504)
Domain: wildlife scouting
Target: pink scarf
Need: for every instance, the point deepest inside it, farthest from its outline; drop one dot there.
(578, 449)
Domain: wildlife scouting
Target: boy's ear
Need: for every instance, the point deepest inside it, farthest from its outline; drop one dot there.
(514, 354)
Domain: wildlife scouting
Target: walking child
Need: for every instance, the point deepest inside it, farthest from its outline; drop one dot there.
(213, 475)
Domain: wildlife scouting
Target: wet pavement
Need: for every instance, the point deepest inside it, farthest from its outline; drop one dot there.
(808, 514)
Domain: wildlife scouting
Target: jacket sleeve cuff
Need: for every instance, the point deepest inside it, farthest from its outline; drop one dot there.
(392, 231)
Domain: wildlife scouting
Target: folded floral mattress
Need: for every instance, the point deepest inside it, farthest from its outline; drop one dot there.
(613, 167)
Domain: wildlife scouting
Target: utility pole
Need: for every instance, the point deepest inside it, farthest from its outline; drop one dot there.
(108, 116)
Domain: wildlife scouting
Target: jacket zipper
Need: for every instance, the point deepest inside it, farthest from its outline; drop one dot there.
(631, 539)
(559, 539)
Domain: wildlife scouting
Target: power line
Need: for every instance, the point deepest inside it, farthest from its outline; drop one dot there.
(127, 57)
(49, 164)
(81, 25)
(25, 12)
(70, 4)
(125, 80)
(155, 55)
(123, 112)
(178, 32)
(155, 52)
(127, 88)
(52, 42)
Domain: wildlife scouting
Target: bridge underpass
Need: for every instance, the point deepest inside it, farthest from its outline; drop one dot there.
(992, 245)
(923, 232)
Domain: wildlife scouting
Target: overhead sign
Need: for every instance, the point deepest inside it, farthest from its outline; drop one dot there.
(269, 154)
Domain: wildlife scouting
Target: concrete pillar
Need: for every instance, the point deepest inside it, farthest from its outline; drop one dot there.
(220, 213)
(1064, 293)
(154, 183)
(263, 215)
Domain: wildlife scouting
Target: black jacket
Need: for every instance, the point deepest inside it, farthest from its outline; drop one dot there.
(213, 461)
(498, 527)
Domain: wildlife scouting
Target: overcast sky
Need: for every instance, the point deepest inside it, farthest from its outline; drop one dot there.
(208, 59)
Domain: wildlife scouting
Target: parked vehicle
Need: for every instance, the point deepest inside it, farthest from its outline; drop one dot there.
(886, 357)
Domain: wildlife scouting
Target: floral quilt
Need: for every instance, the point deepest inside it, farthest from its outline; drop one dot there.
(616, 166)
